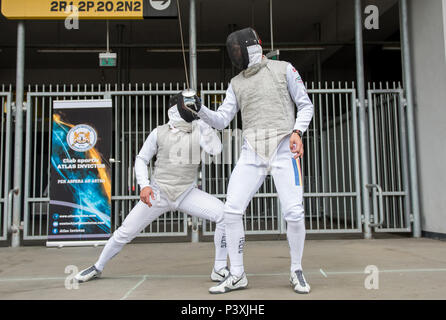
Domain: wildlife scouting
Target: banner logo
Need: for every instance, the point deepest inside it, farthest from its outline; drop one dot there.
(82, 138)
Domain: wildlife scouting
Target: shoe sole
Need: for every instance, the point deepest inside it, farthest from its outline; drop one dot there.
(297, 291)
(301, 292)
(229, 290)
(83, 281)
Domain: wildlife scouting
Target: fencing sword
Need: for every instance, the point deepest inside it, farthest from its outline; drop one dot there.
(189, 93)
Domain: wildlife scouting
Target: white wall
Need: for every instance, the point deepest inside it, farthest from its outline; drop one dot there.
(444, 27)
(427, 31)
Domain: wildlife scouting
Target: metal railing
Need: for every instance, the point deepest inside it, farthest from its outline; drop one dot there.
(388, 155)
(5, 159)
(331, 171)
(136, 111)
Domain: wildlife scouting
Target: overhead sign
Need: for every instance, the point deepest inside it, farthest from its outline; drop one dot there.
(108, 59)
(88, 9)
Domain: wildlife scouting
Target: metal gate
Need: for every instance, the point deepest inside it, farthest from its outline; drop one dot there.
(389, 160)
(332, 197)
(136, 111)
(330, 167)
(5, 160)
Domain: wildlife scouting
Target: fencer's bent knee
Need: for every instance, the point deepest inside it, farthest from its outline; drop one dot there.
(231, 219)
(295, 226)
(220, 218)
(122, 235)
(220, 213)
(232, 208)
(294, 212)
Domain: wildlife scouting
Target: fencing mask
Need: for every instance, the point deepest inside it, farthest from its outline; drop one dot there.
(237, 45)
(188, 104)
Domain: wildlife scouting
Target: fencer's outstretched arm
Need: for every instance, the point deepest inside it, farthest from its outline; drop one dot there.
(221, 118)
(298, 93)
(148, 150)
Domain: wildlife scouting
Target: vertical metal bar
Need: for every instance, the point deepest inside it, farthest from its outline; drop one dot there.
(316, 157)
(407, 81)
(157, 124)
(27, 159)
(50, 126)
(350, 159)
(4, 222)
(33, 192)
(4, 216)
(129, 150)
(373, 130)
(42, 122)
(7, 166)
(383, 144)
(356, 160)
(151, 126)
(192, 45)
(271, 23)
(335, 151)
(309, 173)
(321, 128)
(362, 118)
(116, 163)
(122, 163)
(392, 152)
(203, 163)
(327, 123)
(398, 160)
(404, 160)
(341, 127)
(18, 155)
(258, 212)
(136, 143)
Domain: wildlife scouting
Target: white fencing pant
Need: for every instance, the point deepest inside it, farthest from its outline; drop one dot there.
(246, 178)
(193, 202)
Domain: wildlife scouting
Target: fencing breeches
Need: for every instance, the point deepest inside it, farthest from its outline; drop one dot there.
(194, 202)
(246, 178)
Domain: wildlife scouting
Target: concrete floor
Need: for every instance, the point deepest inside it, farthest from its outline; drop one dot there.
(408, 269)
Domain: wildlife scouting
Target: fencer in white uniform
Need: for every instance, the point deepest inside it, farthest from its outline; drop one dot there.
(172, 187)
(267, 93)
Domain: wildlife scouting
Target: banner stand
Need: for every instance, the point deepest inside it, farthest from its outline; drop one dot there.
(80, 175)
(61, 244)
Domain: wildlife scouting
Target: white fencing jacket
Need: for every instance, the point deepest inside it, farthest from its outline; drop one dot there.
(209, 141)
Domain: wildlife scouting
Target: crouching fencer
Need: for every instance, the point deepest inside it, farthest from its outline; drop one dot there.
(267, 93)
(172, 186)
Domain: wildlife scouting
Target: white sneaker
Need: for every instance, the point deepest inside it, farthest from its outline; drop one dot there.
(88, 274)
(230, 283)
(299, 283)
(220, 275)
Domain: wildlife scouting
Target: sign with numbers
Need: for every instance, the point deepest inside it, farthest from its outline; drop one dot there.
(88, 9)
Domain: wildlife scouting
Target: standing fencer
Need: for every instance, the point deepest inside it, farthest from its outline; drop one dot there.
(172, 186)
(266, 92)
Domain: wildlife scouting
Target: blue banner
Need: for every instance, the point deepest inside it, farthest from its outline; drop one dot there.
(80, 186)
